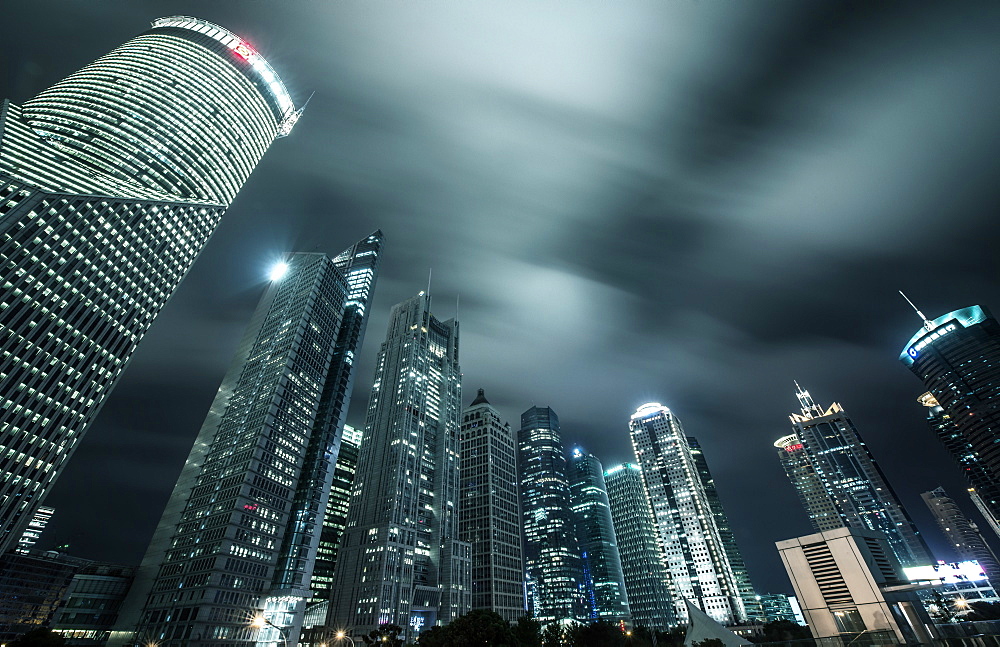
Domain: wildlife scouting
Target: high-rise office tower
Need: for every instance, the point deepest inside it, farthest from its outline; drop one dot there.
(35, 527)
(751, 601)
(963, 535)
(826, 448)
(950, 434)
(553, 572)
(400, 558)
(957, 357)
(489, 518)
(335, 518)
(647, 582)
(111, 182)
(695, 554)
(604, 582)
(240, 532)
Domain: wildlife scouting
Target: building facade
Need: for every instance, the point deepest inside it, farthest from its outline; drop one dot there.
(751, 601)
(111, 182)
(401, 560)
(32, 586)
(240, 532)
(851, 481)
(553, 572)
(957, 357)
(33, 532)
(849, 584)
(647, 582)
(962, 534)
(695, 554)
(604, 581)
(777, 606)
(89, 608)
(489, 516)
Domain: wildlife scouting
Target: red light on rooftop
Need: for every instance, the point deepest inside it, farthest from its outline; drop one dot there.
(792, 448)
(243, 51)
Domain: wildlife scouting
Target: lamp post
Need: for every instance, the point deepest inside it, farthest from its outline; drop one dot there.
(341, 635)
(260, 622)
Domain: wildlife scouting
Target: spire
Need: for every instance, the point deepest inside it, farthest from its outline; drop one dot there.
(480, 399)
(928, 324)
(809, 407)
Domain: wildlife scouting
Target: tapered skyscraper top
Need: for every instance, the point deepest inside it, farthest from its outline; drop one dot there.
(111, 183)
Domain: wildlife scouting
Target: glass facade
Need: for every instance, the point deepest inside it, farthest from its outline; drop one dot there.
(489, 518)
(830, 450)
(240, 533)
(111, 182)
(604, 583)
(553, 571)
(751, 601)
(695, 555)
(962, 535)
(647, 582)
(957, 357)
(401, 560)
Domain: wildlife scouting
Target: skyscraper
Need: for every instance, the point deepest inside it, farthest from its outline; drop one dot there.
(335, 519)
(751, 601)
(489, 517)
(957, 357)
(695, 554)
(111, 182)
(604, 582)
(240, 532)
(400, 557)
(647, 582)
(963, 535)
(826, 449)
(553, 572)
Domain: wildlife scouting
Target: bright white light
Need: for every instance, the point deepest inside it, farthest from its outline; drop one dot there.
(278, 271)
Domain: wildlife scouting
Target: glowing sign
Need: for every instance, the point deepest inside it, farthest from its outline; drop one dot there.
(794, 448)
(938, 333)
(243, 51)
(957, 572)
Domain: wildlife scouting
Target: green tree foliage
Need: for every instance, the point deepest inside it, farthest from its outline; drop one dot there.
(710, 642)
(782, 631)
(479, 628)
(39, 638)
(552, 635)
(385, 636)
(528, 632)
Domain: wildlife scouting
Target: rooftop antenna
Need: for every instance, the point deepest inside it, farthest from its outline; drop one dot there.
(303, 108)
(457, 297)
(429, 270)
(928, 324)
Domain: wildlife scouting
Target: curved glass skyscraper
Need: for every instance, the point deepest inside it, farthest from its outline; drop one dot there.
(111, 182)
(957, 357)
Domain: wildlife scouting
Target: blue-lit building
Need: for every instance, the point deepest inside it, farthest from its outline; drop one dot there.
(647, 583)
(844, 486)
(553, 571)
(957, 357)
(604, 583)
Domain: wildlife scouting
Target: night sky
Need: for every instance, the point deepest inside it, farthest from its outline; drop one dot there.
(694, 203)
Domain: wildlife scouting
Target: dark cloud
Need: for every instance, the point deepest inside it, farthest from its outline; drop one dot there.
(690, 203)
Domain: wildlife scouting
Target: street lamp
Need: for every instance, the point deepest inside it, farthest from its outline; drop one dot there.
(343, 634)
(259, 622)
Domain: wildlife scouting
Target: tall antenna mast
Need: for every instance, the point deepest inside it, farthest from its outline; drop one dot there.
(928, 324)
(429, 270)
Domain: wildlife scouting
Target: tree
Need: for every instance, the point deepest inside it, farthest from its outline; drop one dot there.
(552, 635)
(39, 638)
(434, 637)
(385, 636)
(710, 642)
(480, 628)
(984, 611)
(600, 634)
(528, 632)
(778, 631)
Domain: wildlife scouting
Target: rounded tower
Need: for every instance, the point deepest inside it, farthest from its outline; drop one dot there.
(186, 108)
